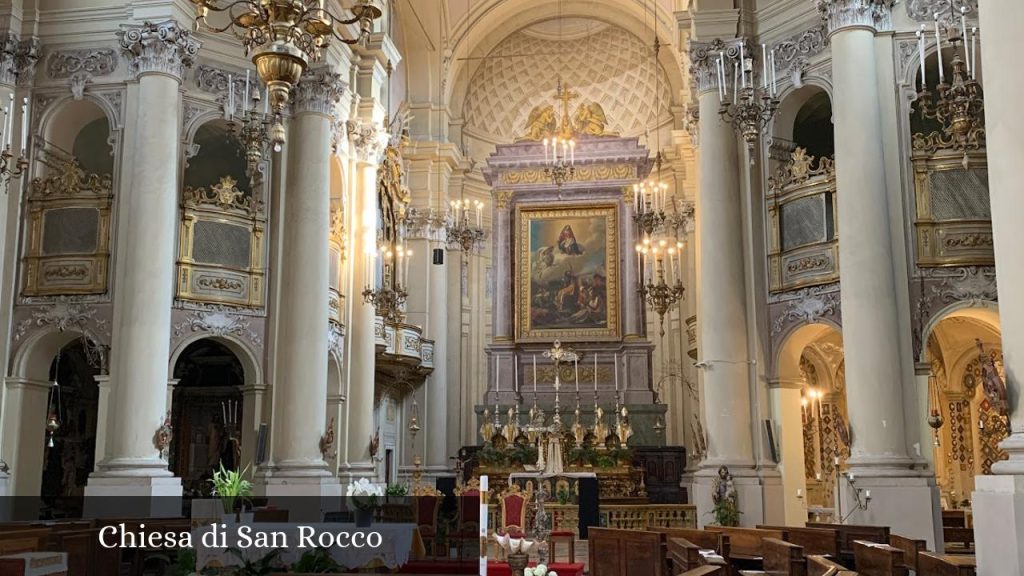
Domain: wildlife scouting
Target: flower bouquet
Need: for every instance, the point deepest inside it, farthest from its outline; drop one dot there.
(365, 496)
(517, 550)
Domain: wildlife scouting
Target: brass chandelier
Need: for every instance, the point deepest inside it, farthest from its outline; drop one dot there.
(9, 169)
(960, 107)
(283, 37)
(750, 107)
(459, 228)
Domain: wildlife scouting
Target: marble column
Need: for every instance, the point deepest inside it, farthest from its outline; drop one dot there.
(501, 235)
(903, 498)
(368, 142)
(158, 55)
(722, 311)
(437, 385)
(300, 389)
(999, 499)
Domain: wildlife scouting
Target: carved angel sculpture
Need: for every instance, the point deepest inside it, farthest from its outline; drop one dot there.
(541, 123)
(590, 119)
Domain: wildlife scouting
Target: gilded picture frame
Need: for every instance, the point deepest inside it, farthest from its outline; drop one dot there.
(567, 273)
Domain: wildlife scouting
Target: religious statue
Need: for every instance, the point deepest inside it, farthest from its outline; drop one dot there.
(327, 441)
(622, 426)
(725, 499)
(511, 429)
(590, 120)
(162, 438)
(541, 123)
(579, 431)
(991, 382)
(600, 428)
(392, 195)
(487, 428)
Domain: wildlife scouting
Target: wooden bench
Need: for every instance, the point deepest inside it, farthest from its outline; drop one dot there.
(958, 540)
(614, 552)
(27, 540)
(931, 564)
(850, 532)
(703, 539)
(910, 547)
(821, 566)
(954, 518)
(746, 543)
(875, 559)
(818, 541)
(783, 558)
(705, 571)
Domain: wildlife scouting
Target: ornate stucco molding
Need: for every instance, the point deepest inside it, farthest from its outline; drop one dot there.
(806, 306)
(319, 92)
(93, 61)
(794, 53)
(161, 48)
(703, 59)
(217, 323)
(215, 81)
(841, 14)
(18, 59)
(336, 341)
(925, 10)
(369, 140)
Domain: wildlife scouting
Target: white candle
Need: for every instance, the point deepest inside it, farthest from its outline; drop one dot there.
(775, 87)
(10, 123)
(867, 494)
(545, 150)
(3, 133)
(721, 77)
(963, 31)
(515, 368)
(534, 374)
(405, 273)
(615, 368)
(974, 53)
(266, 101)
(229, 106)
(764, 65)
(735, 81)
(572, 151)
(743, 64)
(938, 48)
(497, 379)
(576, 366)
(224, 412)
(24, 126)
(245, 103)
(920, 49)
(595, 373)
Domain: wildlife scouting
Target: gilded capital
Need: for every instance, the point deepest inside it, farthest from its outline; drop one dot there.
(704, 57)
(841, 14)
(162, 48)
(318, 92)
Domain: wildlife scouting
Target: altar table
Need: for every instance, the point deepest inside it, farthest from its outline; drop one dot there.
(398, 543)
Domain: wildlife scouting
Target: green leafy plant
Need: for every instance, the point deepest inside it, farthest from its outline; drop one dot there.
(397, 490)
(316, 561)
(231, 485)
(184, 564)
(523, 454)
(563, 496)
(488, 455)
(605, 461)
(726, 513)
(264, 566)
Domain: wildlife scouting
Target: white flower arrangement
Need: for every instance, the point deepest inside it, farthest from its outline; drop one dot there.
(522, 546)
(364, 494)
(541, 570)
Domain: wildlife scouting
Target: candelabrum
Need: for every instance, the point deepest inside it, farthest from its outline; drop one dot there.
(388, 302)
(560, 150)
(560, 172)
(960, 106)
(750, 107)
(861, 497)
(7, 171)
(649, 200)
(661, 293)
(283, 37)
(460, 230)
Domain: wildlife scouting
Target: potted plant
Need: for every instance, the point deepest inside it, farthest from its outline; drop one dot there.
(232, 488)
(316, 561)
(266, 565)
(365, 496)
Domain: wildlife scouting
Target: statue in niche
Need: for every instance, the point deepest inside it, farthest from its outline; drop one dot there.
(541, 123)
(590, 120)
(392, 196)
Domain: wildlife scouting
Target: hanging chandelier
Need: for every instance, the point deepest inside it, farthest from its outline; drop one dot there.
(560, 149)
(463, 230)
(283, 37)
(661, 285)
(251, 129)
(650, 198)
(7, 169)
(960, 106)
(751, 106)
(388, 301)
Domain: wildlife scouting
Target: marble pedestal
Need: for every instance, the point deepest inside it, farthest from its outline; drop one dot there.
(132, 497)
(998, 503)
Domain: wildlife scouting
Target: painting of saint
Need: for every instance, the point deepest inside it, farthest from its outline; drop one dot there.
(568, 276)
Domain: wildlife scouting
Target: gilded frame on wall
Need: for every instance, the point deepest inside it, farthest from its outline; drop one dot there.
(567, 273)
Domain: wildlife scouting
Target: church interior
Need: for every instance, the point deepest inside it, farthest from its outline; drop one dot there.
(530, 287)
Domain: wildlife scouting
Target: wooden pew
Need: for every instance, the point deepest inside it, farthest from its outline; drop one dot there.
(817, 541)
(745, 543)
(28, 540)
(958, 540)
(615, 552)
(931, 564)
(954, 518)
(705, 571)
(874, 559)
(783, 558)
(682, 555)
(850, 532)
(910, 547)
(821, 566)
(81, 547)
(703, 539)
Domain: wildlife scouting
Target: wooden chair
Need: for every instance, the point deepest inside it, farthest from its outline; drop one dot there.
(468, 516)
(818, 541)
(850, 532)
(910, 547)
(931, 564)
(878, 559)
(821, 566)
(427, 508)
(783, 558)
(958, 540)
(615, 552)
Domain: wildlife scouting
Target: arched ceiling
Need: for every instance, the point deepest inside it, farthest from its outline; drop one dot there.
(602, 62)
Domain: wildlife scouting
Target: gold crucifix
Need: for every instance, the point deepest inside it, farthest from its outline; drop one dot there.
(557, 355)
(564, 94)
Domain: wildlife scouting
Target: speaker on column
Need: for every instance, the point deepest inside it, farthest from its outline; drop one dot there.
(589, 505)
(438, 256)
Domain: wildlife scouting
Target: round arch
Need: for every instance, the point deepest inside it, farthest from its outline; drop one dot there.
(793, 343)
(246, 356)
(983, 311)
(34, 356)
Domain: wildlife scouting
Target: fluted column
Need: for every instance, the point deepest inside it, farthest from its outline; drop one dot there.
(300, 389)
(368, 143)
(999, 499)
(871, 334)
(157, 56)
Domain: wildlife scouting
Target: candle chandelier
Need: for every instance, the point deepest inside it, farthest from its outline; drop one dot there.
(463, 230)
(750, 107)
(960, 106)
(661, 284)
(560, 149)
(251, 129)
(389, 299)
(7, 170)
(283, 37)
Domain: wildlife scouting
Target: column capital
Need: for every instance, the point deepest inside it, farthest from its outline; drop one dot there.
(369, 140)
(18, 59)
(318, 92)
(874, 15)
(704, 62)
(158, 48)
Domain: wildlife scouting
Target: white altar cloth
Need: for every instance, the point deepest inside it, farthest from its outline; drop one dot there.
(394, 551)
